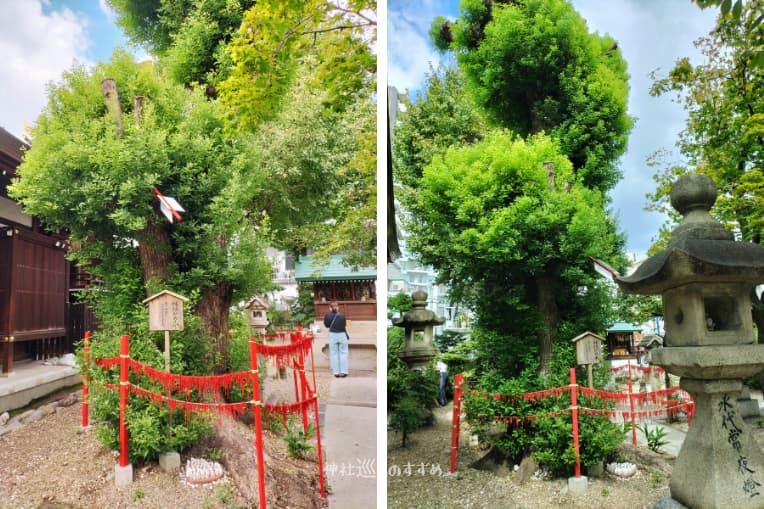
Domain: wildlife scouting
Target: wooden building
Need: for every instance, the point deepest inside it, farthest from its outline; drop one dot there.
(622, 340)
(353, 288)
(36, 317)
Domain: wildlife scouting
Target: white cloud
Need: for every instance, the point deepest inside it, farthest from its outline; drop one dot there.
(36, 48)
(107, 10)
(409, 49)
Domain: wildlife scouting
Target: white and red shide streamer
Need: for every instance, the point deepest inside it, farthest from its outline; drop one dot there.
(169, 206)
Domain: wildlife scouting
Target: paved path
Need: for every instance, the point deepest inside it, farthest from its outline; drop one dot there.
(349, 437)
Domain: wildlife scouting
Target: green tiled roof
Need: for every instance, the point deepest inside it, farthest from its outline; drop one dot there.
(306, 270)
(624, 327)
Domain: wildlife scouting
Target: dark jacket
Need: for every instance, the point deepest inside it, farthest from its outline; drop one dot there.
(339, 322)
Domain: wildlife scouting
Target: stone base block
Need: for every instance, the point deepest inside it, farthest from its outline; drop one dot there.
(123, 476)
(578, 484)
(596, 470)
(668, 503)
(169, 461)
(748, 408)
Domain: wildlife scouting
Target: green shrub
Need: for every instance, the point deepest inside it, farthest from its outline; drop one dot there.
(297, 439)
(548, 436)
(151, 430)
(411, 394)
(655, 438)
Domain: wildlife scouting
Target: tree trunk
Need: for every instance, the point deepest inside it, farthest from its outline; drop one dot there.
(109, 89)
(154, 250)
(213, 310)
(547, 304)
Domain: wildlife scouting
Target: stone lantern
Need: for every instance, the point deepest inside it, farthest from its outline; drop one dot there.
(418, 323)
(705, 279)
(256, 315)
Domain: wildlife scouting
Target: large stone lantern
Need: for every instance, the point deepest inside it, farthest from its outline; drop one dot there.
(418, 323)
(705, 279)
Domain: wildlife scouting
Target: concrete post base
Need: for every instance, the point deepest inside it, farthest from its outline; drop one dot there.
(668, 503)
(169, 461)
(578, 484)
(123, 476)
(720, 465)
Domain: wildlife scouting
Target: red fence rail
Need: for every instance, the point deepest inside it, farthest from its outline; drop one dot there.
(660, 398)
(285, 355)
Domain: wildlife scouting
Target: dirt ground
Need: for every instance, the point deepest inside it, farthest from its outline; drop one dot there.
(53, 463)
(417, 478)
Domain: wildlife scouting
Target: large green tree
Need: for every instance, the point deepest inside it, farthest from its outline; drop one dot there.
(509, 226)
(533, 66)
(93, 165)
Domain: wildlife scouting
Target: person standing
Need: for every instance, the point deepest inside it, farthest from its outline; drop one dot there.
(442, 368)
(338, 340)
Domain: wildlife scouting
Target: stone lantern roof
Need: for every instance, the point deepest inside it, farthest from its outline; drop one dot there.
(700, 250)
(419, 315)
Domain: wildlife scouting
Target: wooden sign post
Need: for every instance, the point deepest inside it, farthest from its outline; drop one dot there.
(166, 313)
(588, 351)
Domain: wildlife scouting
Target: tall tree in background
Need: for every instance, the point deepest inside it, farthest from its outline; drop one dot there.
(533, 66)
(509, 226)
(443, 116)
(254, 57)
(189, 36)
(509, 233)
(724, 133)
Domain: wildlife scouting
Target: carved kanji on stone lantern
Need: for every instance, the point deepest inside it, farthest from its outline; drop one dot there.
(705, 279)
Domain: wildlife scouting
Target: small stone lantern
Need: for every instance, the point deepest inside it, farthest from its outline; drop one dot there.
(705, 279)
(419, 323)
(256, 314)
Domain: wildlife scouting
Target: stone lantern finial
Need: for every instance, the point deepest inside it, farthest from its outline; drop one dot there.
(693, 196)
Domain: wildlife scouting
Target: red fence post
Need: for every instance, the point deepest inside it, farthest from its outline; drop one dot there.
(631, 411)
(124, 357)
(318, 448)
(256, 404)
(574, 414)
(458, 380)
(85, 380)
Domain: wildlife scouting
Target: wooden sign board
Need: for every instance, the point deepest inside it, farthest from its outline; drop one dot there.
(165, 311)
(588, 348)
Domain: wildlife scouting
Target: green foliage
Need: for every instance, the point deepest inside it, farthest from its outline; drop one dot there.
(213, 454)
(399, 304)
(149, 430)
(137, 494)
(411, 394)
(297, 439)
(548, 437)
(443, 116)
(276, 37)
(508, 51)
(303, 309)
(408, 416)
(502, 235)
(224, 492)
(448, 339)
(655, 437)
(725, 126)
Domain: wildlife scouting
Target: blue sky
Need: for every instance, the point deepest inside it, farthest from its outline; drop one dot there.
(39, 40)
(651, 34)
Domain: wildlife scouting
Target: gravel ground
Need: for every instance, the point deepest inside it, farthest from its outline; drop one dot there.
(424, 485)
(53, 463)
